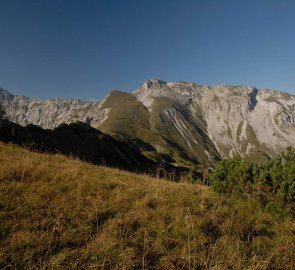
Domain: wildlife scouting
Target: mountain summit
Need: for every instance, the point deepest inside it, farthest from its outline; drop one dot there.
(153, 84)
(181, 122)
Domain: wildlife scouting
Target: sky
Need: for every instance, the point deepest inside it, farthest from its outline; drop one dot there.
(85, 48)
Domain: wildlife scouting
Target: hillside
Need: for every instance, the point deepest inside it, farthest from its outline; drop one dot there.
(82, 141)
(181, 123)
(61, 213)
(78, 140)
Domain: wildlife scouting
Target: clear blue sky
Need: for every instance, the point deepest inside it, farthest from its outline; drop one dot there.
(82, 49)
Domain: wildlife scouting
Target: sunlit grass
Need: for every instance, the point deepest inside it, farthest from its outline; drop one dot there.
(61, 213)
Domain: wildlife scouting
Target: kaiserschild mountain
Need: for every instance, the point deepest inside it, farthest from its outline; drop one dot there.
(180, 123)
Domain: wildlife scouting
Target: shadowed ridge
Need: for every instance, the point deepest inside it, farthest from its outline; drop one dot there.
(80, 140)
(85, 142)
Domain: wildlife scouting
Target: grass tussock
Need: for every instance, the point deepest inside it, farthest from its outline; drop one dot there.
(61, 213)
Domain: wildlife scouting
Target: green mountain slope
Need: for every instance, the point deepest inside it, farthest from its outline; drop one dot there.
(129, 118)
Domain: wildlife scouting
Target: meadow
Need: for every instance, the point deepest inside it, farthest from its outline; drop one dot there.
(58, 212)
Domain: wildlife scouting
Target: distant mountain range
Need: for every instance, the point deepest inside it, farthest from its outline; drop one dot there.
(178, 123)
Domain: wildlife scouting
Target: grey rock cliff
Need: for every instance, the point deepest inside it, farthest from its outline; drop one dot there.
(236, 118)
(49, 113)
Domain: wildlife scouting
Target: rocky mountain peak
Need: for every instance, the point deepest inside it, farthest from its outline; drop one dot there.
(154, 84)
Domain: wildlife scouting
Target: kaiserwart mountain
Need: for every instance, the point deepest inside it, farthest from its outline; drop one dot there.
(180, 123)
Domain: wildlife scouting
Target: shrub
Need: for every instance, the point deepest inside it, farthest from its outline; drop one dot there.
(272, 182)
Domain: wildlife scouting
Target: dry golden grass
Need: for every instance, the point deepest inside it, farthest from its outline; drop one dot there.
(61, 213)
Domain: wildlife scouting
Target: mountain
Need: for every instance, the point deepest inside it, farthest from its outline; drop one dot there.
(181, 123)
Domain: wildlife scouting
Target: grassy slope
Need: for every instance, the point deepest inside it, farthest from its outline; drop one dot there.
(60, 213)
(130, 117)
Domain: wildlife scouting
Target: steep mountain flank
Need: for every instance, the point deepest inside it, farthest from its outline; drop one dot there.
(168, 127)
(181, 123)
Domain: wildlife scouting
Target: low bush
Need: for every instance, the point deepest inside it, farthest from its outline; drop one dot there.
(272, 183)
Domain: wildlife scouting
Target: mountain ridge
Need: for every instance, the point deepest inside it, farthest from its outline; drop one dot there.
(184, 121)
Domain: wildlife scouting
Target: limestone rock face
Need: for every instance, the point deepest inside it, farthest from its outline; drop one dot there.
(49, 113)
(185, 121)
(239, 119)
